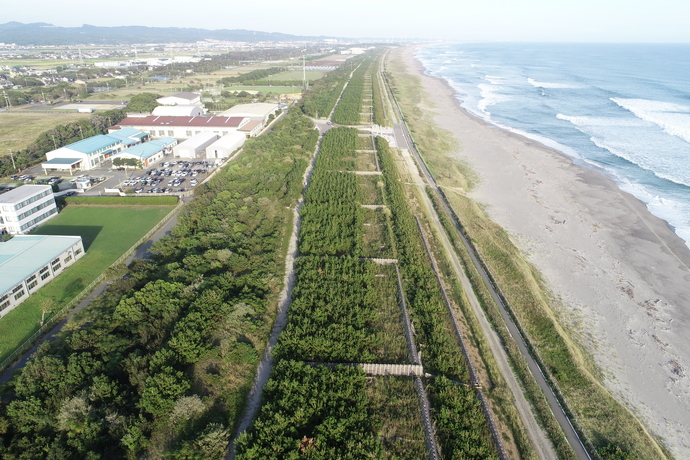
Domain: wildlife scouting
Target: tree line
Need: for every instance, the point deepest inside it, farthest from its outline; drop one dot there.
(161, 363)
(57, 137)
(350, 105)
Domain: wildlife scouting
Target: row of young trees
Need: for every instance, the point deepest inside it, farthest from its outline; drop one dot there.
(350, 105)
(250, 77)
(159, 366)
(323, 95)
(441, 352)
(333, 315)
(317, 411)
(460, 422)
(313, 412)
(57, 137)
(338, 150)
(379, 112)
(332, 217)
(463, 430)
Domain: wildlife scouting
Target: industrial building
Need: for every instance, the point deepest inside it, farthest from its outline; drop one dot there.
(27, 262)
(182, 127)
(223, 147)
(26, 207)
(257, 111)
(192, 147)
(149, 152)
(183, 98)
(178, 111)
(90, 153)
(251, 129)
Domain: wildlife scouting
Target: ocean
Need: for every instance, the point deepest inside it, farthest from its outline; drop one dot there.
(623, 109)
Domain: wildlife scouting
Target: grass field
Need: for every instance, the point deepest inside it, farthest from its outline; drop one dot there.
(107, 232)
(17, 130)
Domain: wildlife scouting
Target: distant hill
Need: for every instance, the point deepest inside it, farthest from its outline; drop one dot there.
(42, 34)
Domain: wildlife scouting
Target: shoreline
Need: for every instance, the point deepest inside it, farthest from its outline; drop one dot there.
(620, 273)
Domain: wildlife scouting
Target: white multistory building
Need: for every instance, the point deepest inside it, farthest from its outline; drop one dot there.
(26, 207)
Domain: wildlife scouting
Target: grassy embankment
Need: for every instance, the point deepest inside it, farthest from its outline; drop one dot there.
(107, 232)
(607, 423)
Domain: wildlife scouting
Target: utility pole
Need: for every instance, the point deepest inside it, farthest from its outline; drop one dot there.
(304, 71)
(12, 156)
(8, 103)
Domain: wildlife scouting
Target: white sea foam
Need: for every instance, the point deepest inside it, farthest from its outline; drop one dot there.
(615, 134)
(674, 119)
(490, 96)
(494, 80)
(548, 85)
(600, 121)
(675, 212)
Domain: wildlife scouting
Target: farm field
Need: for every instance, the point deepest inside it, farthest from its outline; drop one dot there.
(17, 130)
(107, 232)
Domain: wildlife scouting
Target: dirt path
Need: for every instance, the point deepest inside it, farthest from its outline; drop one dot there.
(263, 372)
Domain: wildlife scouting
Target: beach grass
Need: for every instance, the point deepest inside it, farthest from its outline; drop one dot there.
(438, 144)
(606, 422)
(107, 232)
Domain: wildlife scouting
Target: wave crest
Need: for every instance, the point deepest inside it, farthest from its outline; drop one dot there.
(549, 85)
(673, 119)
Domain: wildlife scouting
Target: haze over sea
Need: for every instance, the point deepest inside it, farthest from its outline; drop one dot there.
(623, 109)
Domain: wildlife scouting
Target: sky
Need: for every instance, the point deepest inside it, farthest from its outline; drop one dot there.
(398, 20)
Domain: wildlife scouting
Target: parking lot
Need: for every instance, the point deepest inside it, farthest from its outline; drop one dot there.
(171, 176)
(168, 176)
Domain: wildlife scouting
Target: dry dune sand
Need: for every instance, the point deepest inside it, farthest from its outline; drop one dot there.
(622, 274)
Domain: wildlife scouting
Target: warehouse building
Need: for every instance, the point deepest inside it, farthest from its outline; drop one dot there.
(183, 98)
(28, 262)
(192, 147)
(224, 146)
(182, 127)
(251, 129)
(178, 111)
(261, 111)
(83, 155)
(25, 208)
(149, 152)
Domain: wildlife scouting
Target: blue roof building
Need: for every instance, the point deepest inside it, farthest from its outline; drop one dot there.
(150, 152)
(90, 153)
(27, 262)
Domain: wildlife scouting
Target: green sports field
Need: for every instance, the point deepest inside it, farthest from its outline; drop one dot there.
(107, 232)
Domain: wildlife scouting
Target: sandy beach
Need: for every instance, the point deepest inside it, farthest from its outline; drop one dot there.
(622, 274)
